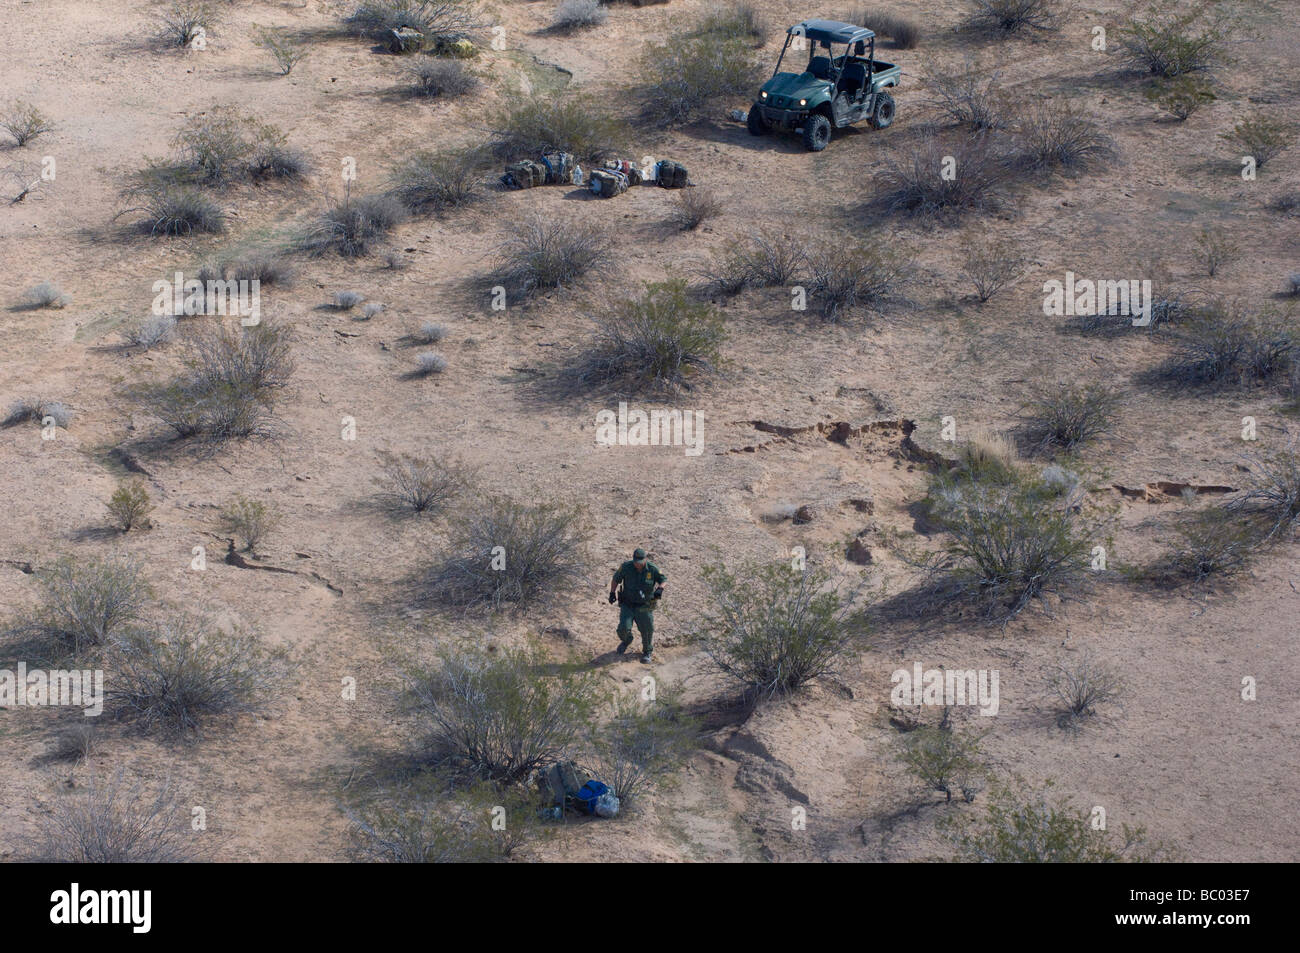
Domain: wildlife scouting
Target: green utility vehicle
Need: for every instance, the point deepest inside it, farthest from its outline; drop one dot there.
(832, 91)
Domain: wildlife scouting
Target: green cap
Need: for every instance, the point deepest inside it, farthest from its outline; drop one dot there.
(638, 553)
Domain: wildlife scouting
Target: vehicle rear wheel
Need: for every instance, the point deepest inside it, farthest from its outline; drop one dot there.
(816, 132)
(755, 121)
(882, 114)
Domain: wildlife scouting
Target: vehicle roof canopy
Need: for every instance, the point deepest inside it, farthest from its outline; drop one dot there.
(831, 31)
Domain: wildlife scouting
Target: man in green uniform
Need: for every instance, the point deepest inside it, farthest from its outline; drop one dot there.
(643, 583)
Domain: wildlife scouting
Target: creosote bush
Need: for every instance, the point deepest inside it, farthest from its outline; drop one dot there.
(991, 264)
(24, 122)
(115, 822)
(641, 744)
(576, 14)
(1172, 38)
(765, 259)
(772, 628)
(421, 484)
(184, 21)
(729, 21)
(445, 79)
(532, 127)
(694, 207)
(687, 74)
(848, 275)
(1219, 347)
(1182, 96)
(1272, 493)
(85, 602)
(510, 554)
(661, 340)
(544, 253)
(1067, 417)
(175, 676)
(914, 183)
(500, 715)
(945, 760)
(1261, 138)
(441, 21)
(1216, 250)
(1015, 16)
(904, 33)
(250, 520)
(1080, 685)
(283, 48)
(427, 182)
(1208, 544)
(971, 96)
(354, 225)
(129, 506)
(171, 208)
(1026, 827)
(1058, 136)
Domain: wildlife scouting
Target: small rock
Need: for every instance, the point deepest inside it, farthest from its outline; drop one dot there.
(859, 552)
(803, 514)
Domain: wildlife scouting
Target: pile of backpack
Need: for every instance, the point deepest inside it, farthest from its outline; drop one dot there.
(614, 177)
(555, 168)
(567, 787)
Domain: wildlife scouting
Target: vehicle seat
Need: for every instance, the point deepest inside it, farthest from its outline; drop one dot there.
(854, 78)
(820, 66)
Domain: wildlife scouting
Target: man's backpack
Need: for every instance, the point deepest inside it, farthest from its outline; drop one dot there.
(524, 174)
(671, 175)
(559, 168)
(607, 183)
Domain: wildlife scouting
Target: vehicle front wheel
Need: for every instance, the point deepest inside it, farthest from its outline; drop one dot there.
(816, 132)
(883, 112)
(755, 121)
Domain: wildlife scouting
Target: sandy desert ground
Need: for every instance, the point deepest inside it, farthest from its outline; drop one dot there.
(844, 418)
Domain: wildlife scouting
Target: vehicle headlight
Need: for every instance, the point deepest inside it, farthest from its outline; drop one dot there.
(763, 94)
(803, 102)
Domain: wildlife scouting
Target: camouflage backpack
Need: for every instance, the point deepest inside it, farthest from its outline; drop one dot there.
(607, 183)
(671, 175)
(559, 168)
(524, 174)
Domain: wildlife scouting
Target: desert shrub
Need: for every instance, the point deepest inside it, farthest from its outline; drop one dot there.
(725, 22)
(1080, 685)
(1181, 96)
(1216, 250)
(767, 258)
(353, 226)
(512, 554)
(988, 457)
(266, 268)
(1067, 416)
(275, 160)
(904, 33)
(173, 208)
(443, 78)
(184, 21)
(436, 181)
(574, 14)
(848, 275)
(421, 484)
(439, 20)
(772, 628)
(915, 184)
(1057, 136)
(429, 363)
(971, 96)
(230, 386)
(1014, 16)
(1293, 284)
(547, 252)
(431, 332)
(40, 410)
(44, 295)
(1207, 544)
(1171, 38)
(1020, 827)
(440, 820)
(943, 759)
(76, 743)
(284, 49)
(694, 207)
(991, 264)
(641, 744)
(24, 122)
(84, 602)
(1261, 137)
(129, 505)
(1221, 347)
(687, 74)
(661, 340)
(370, 310)
(347, 300)
(1169, 305)
(501, 715)
(176, 675)
(113, 822)
(250, 520)
(1273, 490)
(219, 146)
(1007, 544)
(532, 127)
(1058, 481)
